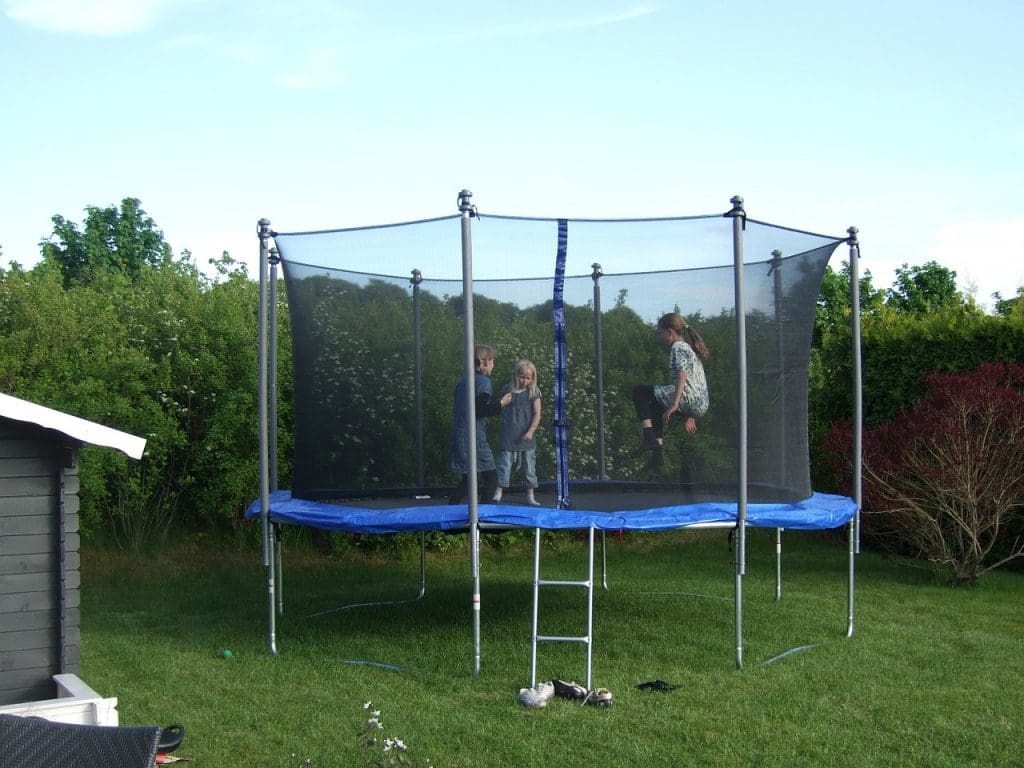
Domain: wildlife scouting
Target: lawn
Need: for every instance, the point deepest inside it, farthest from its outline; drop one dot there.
(931, 677)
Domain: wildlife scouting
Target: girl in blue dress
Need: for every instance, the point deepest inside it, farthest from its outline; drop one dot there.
(517, 441)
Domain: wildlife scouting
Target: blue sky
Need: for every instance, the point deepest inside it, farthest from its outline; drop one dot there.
(904, 119)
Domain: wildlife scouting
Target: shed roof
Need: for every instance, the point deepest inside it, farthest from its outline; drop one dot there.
(72, 426)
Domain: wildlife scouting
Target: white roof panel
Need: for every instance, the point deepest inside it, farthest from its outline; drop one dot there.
(72, 426)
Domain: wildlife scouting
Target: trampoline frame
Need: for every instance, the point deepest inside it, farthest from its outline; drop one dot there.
(268, 446)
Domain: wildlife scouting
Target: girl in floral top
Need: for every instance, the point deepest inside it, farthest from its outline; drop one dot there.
(686, 396)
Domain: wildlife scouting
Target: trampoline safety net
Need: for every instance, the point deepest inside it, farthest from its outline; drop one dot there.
(376, 357)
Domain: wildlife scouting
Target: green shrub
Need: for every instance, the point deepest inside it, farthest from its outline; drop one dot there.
(945, 480)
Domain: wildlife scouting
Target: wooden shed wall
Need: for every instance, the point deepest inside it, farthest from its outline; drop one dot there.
(39, 561)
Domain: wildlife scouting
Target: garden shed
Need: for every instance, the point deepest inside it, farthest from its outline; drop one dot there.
(39, 559)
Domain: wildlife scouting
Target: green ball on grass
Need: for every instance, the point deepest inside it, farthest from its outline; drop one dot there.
(226, 653)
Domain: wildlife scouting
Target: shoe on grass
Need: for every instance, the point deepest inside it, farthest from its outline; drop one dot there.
(536, 697)
(599, 697)
(571, 690)
(656, 685)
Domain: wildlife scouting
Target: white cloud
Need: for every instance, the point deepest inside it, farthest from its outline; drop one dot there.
(89, 17)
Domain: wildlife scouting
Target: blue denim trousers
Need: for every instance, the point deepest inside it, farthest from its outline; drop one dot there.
(508, 460)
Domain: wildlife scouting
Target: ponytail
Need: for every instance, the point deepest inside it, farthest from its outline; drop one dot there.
(694, 340)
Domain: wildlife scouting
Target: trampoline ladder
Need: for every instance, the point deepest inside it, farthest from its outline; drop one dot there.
(538, 582)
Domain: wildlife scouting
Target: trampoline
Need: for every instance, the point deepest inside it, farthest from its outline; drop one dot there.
(376, 357)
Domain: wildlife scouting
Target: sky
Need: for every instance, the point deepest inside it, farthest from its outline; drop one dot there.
(904, 119)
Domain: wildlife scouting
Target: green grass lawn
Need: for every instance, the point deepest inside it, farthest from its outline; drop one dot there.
(931, 677)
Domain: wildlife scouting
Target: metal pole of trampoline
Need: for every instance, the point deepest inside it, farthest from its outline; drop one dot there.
(417, 356)
(602, 470)
(264, 232)
(739, 218)
(599, 370)
(273, 259)
(468, 211)
(858, 417)
(780, 346)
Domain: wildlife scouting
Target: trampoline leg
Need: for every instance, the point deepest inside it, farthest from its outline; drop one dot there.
(536, 601)
(423, 565)
(849, 596)
(271, 546)
(590, 605)
(604, 561)
(778, 564)
(740, 567)
(278, 570)
(474, 536)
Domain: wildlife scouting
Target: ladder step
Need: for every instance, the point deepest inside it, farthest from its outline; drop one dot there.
(558, 639)
(547, 583)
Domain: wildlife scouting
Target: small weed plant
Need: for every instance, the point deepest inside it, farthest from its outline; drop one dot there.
(383, 751)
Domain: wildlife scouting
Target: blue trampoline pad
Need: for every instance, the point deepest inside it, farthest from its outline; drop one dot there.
(424, 512)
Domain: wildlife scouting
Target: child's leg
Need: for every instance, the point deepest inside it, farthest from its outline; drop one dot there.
(685, 415)
(643, 395)
(530, 475)
(649, 410)
(504, 473)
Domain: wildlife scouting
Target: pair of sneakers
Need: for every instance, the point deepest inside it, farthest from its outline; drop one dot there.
(539, 695)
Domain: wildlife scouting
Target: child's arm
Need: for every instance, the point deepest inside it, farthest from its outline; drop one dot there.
(487, 407)
(680, 385)
(528, 435)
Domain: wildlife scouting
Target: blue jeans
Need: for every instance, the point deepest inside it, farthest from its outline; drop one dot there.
(527, 459)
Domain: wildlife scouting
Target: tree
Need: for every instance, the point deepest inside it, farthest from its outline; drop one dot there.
(119, 240)
(1008, 307)
(833, 310)
(923, 289)
(945, 480)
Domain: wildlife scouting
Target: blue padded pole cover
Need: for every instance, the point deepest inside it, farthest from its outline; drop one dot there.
(561, 423)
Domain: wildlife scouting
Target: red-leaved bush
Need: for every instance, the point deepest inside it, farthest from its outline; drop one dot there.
(945, 481)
